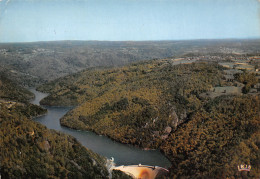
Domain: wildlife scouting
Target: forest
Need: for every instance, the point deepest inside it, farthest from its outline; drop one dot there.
(134, 103)
(217, 138)
(152, 104)
(31, 64)
(30, 150)
(157, 105)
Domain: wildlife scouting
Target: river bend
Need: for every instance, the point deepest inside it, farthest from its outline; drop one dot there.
(123, 154)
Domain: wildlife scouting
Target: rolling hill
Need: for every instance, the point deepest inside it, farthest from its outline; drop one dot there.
(157, 104)
(30, 150)
(40, 62)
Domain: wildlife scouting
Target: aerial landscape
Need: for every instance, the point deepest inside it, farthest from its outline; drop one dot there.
(129, 89)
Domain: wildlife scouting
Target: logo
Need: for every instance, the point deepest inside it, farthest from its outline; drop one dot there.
(244, 168)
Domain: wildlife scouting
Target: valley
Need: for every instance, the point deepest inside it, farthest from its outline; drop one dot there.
(30, 150)
(197, 102)
(122, 154)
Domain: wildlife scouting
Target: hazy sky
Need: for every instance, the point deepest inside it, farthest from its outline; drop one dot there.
(44, 20)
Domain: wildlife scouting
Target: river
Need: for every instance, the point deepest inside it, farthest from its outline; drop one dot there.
(123, 154)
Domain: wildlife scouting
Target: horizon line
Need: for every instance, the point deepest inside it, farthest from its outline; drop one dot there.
(199, 39)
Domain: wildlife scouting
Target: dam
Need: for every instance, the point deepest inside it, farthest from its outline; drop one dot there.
(143, 171)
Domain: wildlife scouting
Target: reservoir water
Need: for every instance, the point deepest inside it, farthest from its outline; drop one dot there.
(123, 154)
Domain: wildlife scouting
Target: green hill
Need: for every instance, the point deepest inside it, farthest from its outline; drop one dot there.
(11, 91)
(156, 104)
(216, 139)
(136, 104)
(30, 150)
(39, 62)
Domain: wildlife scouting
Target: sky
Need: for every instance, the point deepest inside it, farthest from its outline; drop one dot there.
(128, 20)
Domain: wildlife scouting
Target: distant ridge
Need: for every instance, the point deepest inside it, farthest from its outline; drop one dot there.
(163, 40)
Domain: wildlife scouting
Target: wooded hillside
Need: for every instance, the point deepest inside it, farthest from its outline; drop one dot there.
(156, 104)
(30, 150)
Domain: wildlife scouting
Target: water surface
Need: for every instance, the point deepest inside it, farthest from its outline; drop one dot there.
(123, 154)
